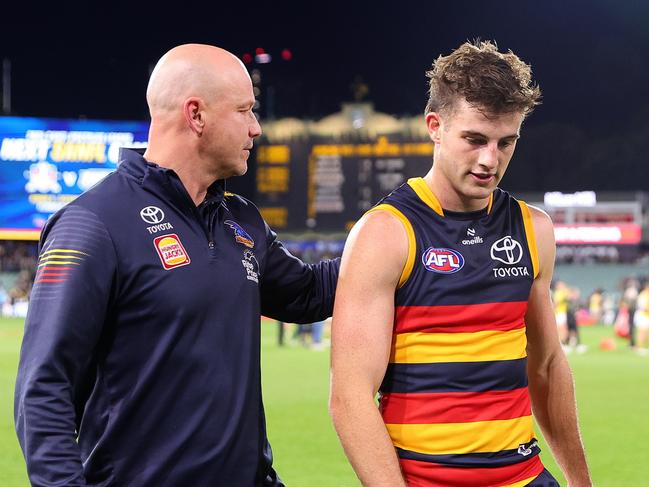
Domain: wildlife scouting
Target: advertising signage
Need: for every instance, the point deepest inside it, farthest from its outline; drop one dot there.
(46, 163)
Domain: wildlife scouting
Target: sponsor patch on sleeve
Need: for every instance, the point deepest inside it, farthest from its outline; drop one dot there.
(171, 251)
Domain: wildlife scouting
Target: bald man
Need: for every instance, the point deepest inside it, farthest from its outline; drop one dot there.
(140, 361)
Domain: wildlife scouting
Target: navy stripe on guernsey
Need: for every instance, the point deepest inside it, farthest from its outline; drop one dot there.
(502, 375)
(467, 460)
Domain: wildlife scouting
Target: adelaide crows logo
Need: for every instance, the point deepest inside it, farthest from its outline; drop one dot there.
(240, 235)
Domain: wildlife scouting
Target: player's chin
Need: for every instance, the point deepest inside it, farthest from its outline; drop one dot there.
(241, 170)
(480, 192)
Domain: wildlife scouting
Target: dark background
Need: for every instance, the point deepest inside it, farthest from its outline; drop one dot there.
(590, 58)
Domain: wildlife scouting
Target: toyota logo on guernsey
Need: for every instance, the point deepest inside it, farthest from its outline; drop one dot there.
(152, 215)
(442, 261)
(507, 250)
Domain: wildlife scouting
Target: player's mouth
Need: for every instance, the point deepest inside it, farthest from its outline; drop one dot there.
(483, 178)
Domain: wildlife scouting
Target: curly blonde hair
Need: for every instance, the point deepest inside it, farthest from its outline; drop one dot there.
(489, 80)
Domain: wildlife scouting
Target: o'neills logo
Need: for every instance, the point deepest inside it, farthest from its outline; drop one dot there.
(171, 251)
(472, 241)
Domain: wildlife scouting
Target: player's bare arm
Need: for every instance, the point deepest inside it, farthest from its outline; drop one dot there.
(372, 263)
(550, 379)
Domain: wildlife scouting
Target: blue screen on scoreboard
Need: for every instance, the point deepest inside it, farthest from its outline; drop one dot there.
(46, 163)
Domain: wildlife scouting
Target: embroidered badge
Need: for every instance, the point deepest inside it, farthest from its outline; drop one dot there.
(171, 251)
(240, 235)
(251, 265)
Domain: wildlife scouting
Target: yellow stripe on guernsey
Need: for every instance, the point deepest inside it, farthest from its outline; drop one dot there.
(449, 438)
(427, 196)
(412, 245)
(531, 236)
(522, 483)
(480, 346)
(62, 251)
(61, 257)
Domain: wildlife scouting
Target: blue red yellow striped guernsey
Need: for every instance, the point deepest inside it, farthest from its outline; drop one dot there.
(454, 398)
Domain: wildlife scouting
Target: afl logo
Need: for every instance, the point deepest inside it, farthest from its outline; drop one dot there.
(442, 261)
(152, 215)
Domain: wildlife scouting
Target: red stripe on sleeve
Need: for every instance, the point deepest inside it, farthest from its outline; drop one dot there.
(454, 407)
(461, 318)
(426, 474)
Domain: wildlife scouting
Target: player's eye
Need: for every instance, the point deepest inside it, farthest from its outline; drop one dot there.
(475, 141)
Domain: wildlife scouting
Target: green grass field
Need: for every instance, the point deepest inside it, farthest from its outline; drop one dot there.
(612, 393)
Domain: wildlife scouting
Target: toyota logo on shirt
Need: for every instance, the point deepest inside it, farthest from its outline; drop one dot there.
(152, 215)
(507, 250)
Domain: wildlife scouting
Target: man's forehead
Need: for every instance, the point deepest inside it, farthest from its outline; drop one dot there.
(469, 118)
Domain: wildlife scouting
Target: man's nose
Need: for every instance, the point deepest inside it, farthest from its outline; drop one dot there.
(489, 156)
(255, 128)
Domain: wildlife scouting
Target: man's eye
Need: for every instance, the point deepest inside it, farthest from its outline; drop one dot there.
(474, 141)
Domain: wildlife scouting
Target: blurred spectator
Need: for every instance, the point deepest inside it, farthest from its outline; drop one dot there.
(608, 317)
(560, 297)
(317, 330)
(641, 319)
(280, 333)
(629, 298)
(596, 305)
(3, 296)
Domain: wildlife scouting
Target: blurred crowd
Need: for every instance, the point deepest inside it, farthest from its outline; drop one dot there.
(626, 310)
(18, 255)
(17, 269)
(624, 307)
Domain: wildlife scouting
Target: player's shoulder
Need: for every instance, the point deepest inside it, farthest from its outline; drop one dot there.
(383, 231)
(542, 221)
(381, 219)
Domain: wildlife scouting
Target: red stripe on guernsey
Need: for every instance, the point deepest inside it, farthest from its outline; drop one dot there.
(50, 280)
(454, 407)
(460, 318)
(425, 474)
(53, 274)
(56, 268)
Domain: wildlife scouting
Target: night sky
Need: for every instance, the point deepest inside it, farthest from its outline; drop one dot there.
(589, 57)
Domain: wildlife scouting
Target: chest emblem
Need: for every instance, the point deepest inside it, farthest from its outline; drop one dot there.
(442, 261)
(507, 250)
(240, 235)
(171, 251)
(251, 265)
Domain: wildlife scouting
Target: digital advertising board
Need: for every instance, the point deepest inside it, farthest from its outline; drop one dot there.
(46, 163)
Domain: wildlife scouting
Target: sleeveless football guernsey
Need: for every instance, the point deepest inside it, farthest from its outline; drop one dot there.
(454, 398)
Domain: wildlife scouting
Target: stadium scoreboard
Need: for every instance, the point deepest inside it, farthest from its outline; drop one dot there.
(328, 186)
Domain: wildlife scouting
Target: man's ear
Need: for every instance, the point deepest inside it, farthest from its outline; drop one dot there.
(194, 116)
(434, 124)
